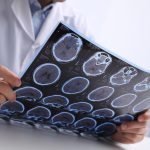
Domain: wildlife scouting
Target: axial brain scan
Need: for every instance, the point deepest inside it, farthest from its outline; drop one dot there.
(97, 64)
(123, 118)
(101, 93)
(85, 124)
(106, 129)
(46, 74)
(29, 92)
(103, 113)
(67, 48)
(10, 108)
(143, 85)
(63, 119)
(80, 107)
(123, 76)
(76, 87)
(141, 106)
(38, 113)
(124, 100)
(55, 101)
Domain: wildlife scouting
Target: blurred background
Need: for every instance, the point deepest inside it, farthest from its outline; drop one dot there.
(122, 26)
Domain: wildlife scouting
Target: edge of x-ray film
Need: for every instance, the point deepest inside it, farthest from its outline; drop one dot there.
(88, 39)
(88, 91)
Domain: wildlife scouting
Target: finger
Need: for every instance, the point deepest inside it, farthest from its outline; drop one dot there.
(7, 91)
(133, 138)
(139, 131)
(1, 79)
(144, 117)
(9, 77)
(127, 138)
(118, 137)
(2, 99)
(133, 125)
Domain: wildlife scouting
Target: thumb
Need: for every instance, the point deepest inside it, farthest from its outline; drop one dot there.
(9, 77)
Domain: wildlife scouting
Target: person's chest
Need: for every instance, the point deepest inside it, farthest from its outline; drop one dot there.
(17, 42)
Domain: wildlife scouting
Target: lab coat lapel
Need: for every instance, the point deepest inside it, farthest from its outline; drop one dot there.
(21, 10)
(54, 17)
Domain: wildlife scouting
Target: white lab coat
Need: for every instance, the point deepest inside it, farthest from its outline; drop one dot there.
(17, 40)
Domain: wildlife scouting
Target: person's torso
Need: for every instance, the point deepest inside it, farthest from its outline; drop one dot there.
(17, 39)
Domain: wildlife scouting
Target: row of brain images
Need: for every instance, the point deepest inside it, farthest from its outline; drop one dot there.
(48, 74)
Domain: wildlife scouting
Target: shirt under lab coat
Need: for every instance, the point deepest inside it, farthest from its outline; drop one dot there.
(17, 39)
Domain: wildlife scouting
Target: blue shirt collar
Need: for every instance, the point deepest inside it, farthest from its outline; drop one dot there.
(39, 14)
(36, 6)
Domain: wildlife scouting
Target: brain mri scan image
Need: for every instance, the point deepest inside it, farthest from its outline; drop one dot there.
(55, 101)
(63, 119)
(143, 85)
(46, 74)
(124, 76)
(141, 106)
(97, 64)
(75, 85)
(103, 113)
(38, 113)
(80, 107)
(29, 92)
(85, 124)
(106, 129)
(10, 108)
(124, 100)
(67, 48)
(101, 93)
(123, 118)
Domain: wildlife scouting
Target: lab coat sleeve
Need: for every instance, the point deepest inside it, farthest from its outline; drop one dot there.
(81, 23)
(78, 21)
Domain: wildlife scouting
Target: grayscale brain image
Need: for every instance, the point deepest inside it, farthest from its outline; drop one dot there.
(74, 86)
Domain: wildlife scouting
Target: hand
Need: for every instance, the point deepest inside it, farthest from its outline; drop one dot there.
(134, 131)
(8, 80)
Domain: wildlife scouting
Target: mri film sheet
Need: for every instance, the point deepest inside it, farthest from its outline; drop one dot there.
(77, 87)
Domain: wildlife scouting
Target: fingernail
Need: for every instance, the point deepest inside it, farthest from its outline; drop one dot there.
(141, 119)
(1, 79)
(123, 126)
(18, 82)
